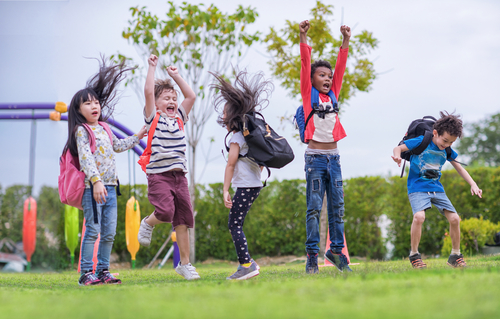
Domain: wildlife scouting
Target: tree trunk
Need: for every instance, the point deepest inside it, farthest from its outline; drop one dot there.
(192, 183)
(323, 227)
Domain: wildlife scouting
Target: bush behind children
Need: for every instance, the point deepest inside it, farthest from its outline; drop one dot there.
(166, 166)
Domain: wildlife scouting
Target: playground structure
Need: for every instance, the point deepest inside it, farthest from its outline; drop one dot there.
(132, 215)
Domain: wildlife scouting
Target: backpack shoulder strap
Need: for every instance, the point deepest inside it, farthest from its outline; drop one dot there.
(91, 135)
(333, 98)
(225, 141)
(314, 97)
(106, 127)
(152, 130)
(425, 142)
(448, 156)
(309, 117)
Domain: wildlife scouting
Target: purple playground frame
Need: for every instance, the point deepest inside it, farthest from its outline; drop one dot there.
(50, 106)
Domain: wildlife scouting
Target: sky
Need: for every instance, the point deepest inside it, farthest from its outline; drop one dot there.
(432, 56)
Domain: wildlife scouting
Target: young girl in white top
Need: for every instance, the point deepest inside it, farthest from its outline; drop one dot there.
(232, 103)
(91, 106)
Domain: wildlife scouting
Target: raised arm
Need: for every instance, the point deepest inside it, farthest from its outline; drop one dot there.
(304, 27)
(346, 36)
(340, 65)
(187, 91)
(149, 87)
(305, 66)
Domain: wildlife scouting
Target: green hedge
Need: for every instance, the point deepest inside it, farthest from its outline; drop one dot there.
(276, 223)
(274, 226)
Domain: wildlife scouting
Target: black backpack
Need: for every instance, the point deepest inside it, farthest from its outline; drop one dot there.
(265, 146)
(419, 127)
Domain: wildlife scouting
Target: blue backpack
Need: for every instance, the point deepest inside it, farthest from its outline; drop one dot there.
(299, 118)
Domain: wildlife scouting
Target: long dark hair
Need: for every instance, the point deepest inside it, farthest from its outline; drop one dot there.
(102, 87)
(248, 94)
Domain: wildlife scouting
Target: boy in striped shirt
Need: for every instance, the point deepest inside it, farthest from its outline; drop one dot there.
(167, 185)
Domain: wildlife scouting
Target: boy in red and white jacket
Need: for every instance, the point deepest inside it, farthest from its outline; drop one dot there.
(320, 87)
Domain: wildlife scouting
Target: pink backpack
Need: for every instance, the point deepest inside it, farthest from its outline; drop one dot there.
(71, 180)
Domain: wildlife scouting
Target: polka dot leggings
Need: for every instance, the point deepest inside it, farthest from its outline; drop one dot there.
(242, 201)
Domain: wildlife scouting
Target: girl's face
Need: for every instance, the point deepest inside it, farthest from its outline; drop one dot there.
(167, 103)
(91, 110)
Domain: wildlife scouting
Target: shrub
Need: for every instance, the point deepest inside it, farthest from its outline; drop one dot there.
(474, 234)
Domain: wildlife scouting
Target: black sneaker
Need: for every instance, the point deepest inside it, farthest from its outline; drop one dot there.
(107, 278)
(338, 260)
(456, 261)
(416, 262)
(89, 279)
(312, 264)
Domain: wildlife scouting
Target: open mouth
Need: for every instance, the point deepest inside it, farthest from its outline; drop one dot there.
(95, 113)
(170, 109)
(326, 86)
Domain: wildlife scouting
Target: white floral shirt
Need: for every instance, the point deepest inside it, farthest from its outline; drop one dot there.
(101, 165)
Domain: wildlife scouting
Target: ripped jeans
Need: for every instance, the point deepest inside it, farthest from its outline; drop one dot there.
(323, 174)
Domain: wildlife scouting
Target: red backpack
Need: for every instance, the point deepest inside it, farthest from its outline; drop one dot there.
(71, 180)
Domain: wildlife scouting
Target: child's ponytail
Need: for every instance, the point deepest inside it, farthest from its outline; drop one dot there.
(246, 95)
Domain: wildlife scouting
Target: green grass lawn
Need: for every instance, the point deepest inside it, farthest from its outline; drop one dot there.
(374, 290)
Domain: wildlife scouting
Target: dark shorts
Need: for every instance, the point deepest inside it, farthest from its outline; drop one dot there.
(168, 192)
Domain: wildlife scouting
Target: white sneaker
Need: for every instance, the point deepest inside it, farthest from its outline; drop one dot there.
(145, 233)
(187, 271)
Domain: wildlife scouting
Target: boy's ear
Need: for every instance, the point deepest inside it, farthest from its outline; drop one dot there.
(435, 133)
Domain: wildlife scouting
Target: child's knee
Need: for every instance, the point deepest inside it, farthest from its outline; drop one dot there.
(453, 219)
(419, 218)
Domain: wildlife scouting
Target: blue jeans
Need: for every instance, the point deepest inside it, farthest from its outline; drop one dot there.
(107, 216)
(323, 174)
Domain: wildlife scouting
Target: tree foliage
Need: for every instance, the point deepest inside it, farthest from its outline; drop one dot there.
(482, 146)
(284, 47)
(196, 40)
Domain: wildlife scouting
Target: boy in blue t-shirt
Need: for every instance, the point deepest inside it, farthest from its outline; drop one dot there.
(424, 187)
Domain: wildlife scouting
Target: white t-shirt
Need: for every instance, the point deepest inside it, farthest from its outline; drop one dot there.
(246, 171)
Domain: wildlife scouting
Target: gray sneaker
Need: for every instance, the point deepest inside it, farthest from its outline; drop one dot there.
(187, 271)
(145, 233)
(245, 272)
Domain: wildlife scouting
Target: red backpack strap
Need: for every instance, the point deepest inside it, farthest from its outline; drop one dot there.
(108, 130)
(180, 123)
(152, 130)
(91, 135)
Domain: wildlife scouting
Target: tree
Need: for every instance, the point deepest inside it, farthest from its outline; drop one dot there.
(482, 146)
(285, 64)
(196, 40)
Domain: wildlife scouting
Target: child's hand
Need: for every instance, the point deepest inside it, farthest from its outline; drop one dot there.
(172, 71)
(304, 26)
(397, 159)
(153, 60)
(142, 132)
(228, 201)
(475, 190)
(100, 192)
(346, 32)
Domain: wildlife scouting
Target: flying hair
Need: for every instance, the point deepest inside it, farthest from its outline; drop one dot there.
(450, 123)
(101, 87)
(248, 94)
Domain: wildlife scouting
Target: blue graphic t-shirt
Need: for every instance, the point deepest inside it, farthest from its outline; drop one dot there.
(425, 169)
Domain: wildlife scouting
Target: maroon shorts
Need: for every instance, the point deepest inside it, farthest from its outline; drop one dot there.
(168, 192)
